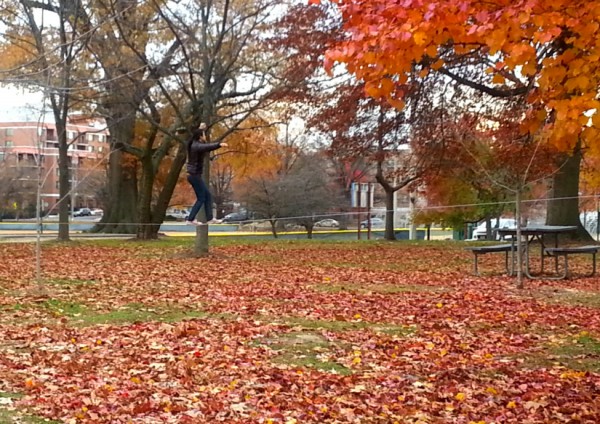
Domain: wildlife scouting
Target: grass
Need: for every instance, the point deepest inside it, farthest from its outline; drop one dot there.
(571, 297)
(306, 350)
(581, 353)
(68, 282)
(381, 288)
(341, 326)
(10, 416)
(138, 313)
(83, 316)
(8, 395)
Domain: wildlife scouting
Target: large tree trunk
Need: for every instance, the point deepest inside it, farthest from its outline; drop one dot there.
(162, 204)
(144, 207)
(563, 206)
(389, 215)
(120, 216)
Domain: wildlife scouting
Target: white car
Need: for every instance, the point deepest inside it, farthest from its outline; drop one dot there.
(330, 223)
(375, 223)
(97, 212)
(481, 231)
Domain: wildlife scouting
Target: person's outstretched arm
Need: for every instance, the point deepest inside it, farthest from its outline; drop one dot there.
(206, 147)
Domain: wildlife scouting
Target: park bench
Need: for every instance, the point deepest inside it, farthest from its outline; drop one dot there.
(574, 250)
(496, 248)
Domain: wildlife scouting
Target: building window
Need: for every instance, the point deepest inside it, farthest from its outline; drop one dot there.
(100, 149)
(9, 143)
(9, 131)
(1, 156)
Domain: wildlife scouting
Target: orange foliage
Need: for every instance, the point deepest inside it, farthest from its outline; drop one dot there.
(548, 51)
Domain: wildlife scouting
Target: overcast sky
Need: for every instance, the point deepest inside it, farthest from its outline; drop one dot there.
(19, 105)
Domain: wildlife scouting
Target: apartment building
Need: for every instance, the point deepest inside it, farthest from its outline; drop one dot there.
(23, 143)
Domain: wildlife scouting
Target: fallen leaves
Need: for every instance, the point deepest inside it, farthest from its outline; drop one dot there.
(381, 343)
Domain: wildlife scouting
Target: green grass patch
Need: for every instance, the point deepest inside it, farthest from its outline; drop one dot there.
(61, 307)
(306, 350)
(581, 353)
(14, 417)
(138, 313)
(69, 282)
(82, 315)
(9, 395)
(341, 326)
(380, 288)
(570, 297)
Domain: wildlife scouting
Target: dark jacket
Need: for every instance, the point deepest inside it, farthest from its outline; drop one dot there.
(196, 152)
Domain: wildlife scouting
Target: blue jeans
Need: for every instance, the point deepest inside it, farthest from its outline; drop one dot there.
(203, 198)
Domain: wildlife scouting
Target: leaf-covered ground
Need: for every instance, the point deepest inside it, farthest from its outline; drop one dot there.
(291, 332)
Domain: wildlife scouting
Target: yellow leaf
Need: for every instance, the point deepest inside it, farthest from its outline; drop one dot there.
(511, 405)
(439, 305)
(460, 397)
(357, 316)
(356, 361)
(491, 391)
(420, 38)
(443, 352)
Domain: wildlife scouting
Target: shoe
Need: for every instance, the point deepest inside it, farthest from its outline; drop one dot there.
(195, 223)
(215, 221)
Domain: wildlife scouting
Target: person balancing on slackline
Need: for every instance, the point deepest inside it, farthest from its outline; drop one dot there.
(197, 148)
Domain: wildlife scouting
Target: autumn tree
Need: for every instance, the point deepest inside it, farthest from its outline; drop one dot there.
(545, 53)
(252, 151)
(48, 57)
(309, 192)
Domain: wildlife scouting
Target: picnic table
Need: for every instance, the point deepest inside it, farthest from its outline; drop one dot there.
(542, 233)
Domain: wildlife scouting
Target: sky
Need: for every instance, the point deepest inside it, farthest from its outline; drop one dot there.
(19, 105)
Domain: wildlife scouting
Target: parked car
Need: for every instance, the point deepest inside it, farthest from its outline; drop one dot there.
(328, 223)
(480, 231)
(375, 223)
(97, 212)
(178, 214)
(235, 217)
(83, 212)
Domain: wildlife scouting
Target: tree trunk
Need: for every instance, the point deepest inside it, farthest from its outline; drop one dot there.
(563, 206)
(274, 228)
(164, 197)
(309, 231)
(144, 206)
(120, 216)
(64, 188)
(389, 215)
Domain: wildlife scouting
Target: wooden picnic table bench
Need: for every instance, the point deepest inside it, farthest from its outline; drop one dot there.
(572, 250)
(496, 248)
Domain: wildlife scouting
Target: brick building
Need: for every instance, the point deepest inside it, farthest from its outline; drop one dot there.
(21, 143)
